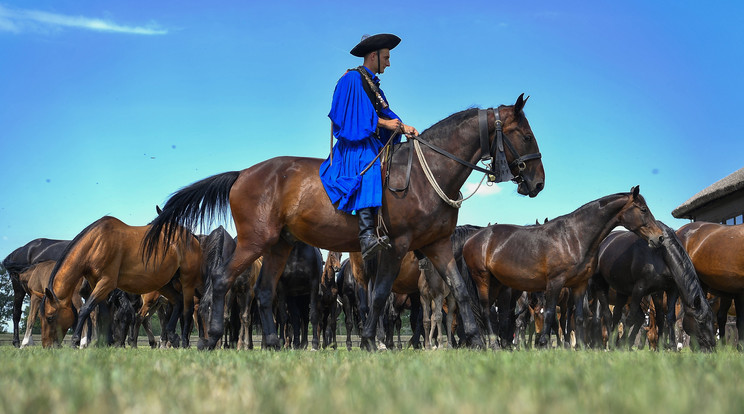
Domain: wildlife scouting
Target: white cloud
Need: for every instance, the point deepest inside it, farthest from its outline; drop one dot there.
(17, 21)
(484, 189)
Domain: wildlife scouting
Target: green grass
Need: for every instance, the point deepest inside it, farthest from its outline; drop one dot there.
(35, 380)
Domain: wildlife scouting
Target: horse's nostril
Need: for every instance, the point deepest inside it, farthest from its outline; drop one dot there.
(539, 186)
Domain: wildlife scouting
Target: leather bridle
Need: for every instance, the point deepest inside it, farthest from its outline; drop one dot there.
(489, 152)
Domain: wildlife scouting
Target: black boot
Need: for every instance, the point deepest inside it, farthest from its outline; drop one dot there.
(369, 241)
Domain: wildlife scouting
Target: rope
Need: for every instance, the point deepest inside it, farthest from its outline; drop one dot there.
(430, 176)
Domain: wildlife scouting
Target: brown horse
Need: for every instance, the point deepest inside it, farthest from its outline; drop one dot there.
(280, 200)
(327, 303)
(33, 280)
(560, 253)
(108, 254)
(717, 252)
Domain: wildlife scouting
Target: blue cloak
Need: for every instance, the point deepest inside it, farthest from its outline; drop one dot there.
(354, 125)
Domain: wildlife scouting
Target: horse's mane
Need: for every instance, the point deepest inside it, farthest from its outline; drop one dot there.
(69, 247)
(446, 125)
(461, 235)
(680, 263)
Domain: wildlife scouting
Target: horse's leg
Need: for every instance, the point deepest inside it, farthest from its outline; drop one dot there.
(579, 295)
(387, 270)
(315, 314)
(441, 257)
(617, 314)
(98, 296)
(669, 339)
(739, 304)
(426, 309)
(19, 294)
(636, 314)
(273, 265)
(176, 300)
(243, 257)
(33, 311)
(552, 294)
(722, 316)
(437, 318)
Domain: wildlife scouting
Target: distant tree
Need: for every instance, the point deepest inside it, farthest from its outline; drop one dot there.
(6, 300)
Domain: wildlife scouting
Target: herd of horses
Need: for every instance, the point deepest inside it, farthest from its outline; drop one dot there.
(488, 281)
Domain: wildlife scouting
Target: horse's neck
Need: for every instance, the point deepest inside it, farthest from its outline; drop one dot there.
(462, 142)
(595, 223)
(65, 282)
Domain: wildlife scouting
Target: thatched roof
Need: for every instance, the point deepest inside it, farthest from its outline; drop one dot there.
(719, 189)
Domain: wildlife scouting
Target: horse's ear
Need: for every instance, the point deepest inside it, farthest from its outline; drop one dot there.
(157, 208)
(519, 106)
(635, 190)
(50, 295)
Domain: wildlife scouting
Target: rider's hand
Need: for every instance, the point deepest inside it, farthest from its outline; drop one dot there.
(410, 131)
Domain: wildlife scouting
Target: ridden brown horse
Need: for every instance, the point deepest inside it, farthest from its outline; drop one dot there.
(560, 253)
(282, 199)
(108, 253)
(717, 252)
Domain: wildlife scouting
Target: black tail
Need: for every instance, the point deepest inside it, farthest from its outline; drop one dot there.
(201, 202)
(473, 294)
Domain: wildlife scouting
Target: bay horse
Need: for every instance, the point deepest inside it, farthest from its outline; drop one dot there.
(717, 252)
(33, 280)
(108, 253)
(628, 265)
(20, 260)
(560, 253)
(278, 201)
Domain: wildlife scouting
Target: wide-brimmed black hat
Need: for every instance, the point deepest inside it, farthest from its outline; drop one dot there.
(375, 42)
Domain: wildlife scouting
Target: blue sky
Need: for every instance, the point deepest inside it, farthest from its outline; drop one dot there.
(109, 107)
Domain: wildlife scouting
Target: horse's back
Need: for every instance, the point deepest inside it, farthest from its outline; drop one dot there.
(716, 251)
(36, 278)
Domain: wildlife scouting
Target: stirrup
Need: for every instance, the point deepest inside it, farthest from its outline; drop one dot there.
(379, 244)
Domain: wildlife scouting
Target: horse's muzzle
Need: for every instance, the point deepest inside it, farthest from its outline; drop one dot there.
(533, 190)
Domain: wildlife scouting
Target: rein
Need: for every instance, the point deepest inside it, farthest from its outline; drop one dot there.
(494, 153)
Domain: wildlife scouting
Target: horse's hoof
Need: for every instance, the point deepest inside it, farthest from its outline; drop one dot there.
(368, 345)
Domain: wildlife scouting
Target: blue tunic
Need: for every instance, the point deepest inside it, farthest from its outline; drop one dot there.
(354, 125)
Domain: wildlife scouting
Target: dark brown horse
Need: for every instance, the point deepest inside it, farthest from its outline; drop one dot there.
(108, 254)
(628, 265)
(560, 253)
(282, 199)
(717, 252)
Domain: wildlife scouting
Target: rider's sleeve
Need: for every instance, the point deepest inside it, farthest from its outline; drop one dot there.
(354, 118)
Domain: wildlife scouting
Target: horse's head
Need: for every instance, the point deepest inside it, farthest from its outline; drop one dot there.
(56, 318)
(328, 285)
(698, 323)
(636, 217)
(521, 150)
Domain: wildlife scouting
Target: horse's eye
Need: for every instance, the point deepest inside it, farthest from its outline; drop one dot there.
(528, 138)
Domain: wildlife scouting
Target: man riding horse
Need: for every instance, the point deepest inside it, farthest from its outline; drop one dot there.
(363, 123)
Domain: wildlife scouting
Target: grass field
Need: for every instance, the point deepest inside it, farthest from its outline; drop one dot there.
(36, 380)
